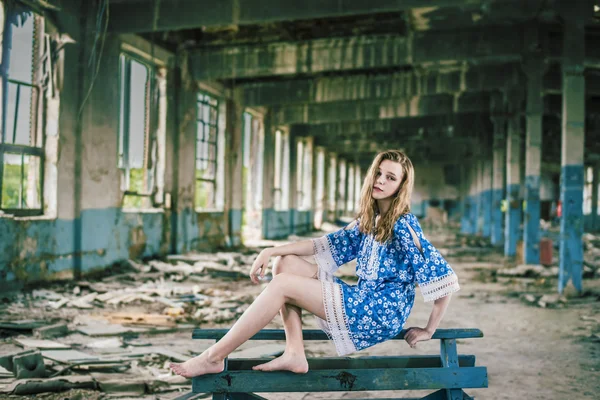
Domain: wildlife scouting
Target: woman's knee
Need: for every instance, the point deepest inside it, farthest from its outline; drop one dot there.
(283, 264)
(282, 281)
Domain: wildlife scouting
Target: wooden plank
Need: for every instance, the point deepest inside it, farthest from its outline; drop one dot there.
(316, 334)
(343, 380)
(359, 362)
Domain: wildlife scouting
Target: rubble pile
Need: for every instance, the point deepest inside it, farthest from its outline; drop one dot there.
(109, 335)
(591, 255)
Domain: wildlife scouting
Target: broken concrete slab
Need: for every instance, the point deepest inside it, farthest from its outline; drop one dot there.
(168, 353)
(4, 373)
(51, 331)
(40, 344)
(111, 343)
(68, 356)
(100, 329)
(22, 325)
(141, 319)
(58, 303)
(29, 366)
(24, 387)
(6, 360)
(124, 387)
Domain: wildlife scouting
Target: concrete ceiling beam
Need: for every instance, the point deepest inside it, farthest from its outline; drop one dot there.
(323, 89)
(439, 105)
(367, 127)
(428, 49)
(137, 16)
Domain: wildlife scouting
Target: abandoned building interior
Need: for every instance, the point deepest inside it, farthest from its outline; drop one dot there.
(138, 130)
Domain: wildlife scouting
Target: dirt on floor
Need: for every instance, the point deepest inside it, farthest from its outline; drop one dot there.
(536, 344)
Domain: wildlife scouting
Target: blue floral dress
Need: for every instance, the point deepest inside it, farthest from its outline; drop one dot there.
(376, 308)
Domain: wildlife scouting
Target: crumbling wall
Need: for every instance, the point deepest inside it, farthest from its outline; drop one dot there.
(89, 229)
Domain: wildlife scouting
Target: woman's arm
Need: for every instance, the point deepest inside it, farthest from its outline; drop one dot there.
(414, 335)
(302, 248)
(259, 267)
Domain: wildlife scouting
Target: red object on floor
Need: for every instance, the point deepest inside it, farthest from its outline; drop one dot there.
(546, 251)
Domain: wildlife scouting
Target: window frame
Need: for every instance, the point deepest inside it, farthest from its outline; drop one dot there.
(214, 125)
(36, 117)
(125, 96)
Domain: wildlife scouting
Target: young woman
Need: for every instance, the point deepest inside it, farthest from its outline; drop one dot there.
(392, 255)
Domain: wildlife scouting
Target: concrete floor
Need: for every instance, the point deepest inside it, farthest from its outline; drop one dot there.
(530, 352)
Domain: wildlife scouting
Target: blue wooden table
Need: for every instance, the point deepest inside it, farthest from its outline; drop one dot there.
(447, 373)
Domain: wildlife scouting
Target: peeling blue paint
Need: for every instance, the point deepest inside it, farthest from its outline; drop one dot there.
(34, 249)
(235, 227)
(571, 227)
(531, 235)
(497, 234)
(466, 226)
(474, 213)
(302, 222)
(276, 224)
(486, 200)
(512, 220)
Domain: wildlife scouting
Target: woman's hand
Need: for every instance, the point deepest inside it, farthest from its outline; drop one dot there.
(414, 335)
(259, 267)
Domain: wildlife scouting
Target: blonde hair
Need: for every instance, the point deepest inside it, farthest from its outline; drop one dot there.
(400, 204)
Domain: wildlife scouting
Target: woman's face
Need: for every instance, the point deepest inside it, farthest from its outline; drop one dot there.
(387, 180)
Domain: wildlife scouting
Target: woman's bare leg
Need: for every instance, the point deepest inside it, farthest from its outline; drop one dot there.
(284, 288)
(293, 358)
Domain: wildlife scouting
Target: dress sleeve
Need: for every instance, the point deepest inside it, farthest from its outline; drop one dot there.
(434, 275)
(337, 248)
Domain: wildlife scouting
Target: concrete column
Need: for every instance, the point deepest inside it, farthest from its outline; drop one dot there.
(513, 187)
(332, 185)
(465, 197)
(486, 194)
(342, 168)
(268, 202)
(499, 163)
(293, 179)
(234, 168)
(533, 65)
(595, 182)
(573, 133)
(479, 219)
(473, 198)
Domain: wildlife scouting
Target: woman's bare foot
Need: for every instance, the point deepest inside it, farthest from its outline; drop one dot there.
(286, 362)
(196, 366)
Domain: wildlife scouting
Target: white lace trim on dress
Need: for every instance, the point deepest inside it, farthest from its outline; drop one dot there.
(336, 326)
(439, 287)
(323, 255)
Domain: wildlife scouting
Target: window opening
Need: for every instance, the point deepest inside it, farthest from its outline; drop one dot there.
(207, 147)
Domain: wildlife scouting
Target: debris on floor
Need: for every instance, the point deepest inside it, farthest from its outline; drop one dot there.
(115, 336)
(109, 335)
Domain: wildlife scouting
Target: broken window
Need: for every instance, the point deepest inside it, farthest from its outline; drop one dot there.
(139, 120)
(207, 153)
(282, 171)
(21, 142)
